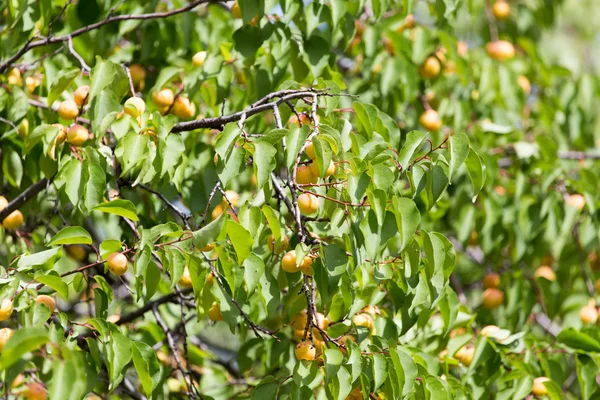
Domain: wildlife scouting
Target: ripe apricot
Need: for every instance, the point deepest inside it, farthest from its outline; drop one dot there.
(430, 68)
(199, 58)
(539, 389)
(491, 280)
(81, 95)
(34, 391)
(576, 200)
(186, 279)
(310, 151)
(14, 220)
(117, 263)
(430, 120)
(308, 203)
(545, 272)
(183, 108)
(68, 110)
(77, 135)
(283, 244)
(500, 50)
(135, 106)
(6, 309)
(163, 98)
(305, 351)
(288, 262)
(5, 335)
(214, 314)
(492, 298)
(501, 9)
(48, 301)
(304, 175)
(315, 169)
(588, 314)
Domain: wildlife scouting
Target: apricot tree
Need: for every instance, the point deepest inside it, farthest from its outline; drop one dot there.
(365, 199)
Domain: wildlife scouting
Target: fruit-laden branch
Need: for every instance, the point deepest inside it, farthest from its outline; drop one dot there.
(65, 38)
(260, 106)
(24, 197)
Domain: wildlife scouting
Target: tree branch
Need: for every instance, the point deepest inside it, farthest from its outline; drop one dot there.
(24, 197)
(256, 108)
(59, 39)
(169, 298)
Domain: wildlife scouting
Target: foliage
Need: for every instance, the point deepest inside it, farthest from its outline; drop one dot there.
(284, 199)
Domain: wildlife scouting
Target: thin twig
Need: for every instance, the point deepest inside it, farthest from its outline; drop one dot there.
(84, 67)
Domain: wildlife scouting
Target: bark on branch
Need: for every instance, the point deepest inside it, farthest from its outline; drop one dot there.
(24, 197)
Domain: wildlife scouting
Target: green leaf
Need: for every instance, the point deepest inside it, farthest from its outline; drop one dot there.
(26, 341)
(380, 370)
(458, 146)
(578, 340)
(411, 144)
(266, 389)
(254, 268)
(209, 233)
(71, 235)
(54, 281)
(240, 238)
(147, 366)
(101, 76)
(264, 160)
(118, 355)
(477, 172)
(123, 208)
(408, 219)
(36, 259)
(62, 82)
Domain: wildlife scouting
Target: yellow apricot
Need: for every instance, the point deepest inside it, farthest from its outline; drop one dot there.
(77, 135)
(135, 106)
(199, 58)
(6, 309)
(186, 279)
(305, 351)
(23, 129)
(492, 298)
(35, 391)
(304, 175)
(81, 95)
(430, 68)
(306, 266)
(501, 9)
(14, 220)
(288, 262)
(48, 301)
(576, 200)
(310, 151)
(539, 389)
(68, 110)
(500, 50)
(308, 203)
(163, 98)
(491, 280)
(5, 335)
(284, 242)
(183, 108)
(545, 272)
(117, 263)
(430, 120)
(214, 314)
(315, 169)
